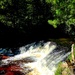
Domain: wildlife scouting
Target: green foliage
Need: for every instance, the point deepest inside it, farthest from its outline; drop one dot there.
(24, 14)
(53, 22)
(74, 50)
(59, 69)
(63, 13)
(62, 68)
(69, 57)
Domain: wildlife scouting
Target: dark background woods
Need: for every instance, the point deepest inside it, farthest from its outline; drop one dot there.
(26, 21)
(12, 37)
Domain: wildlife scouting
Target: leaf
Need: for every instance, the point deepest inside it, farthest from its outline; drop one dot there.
(53, 23)
(58, 12)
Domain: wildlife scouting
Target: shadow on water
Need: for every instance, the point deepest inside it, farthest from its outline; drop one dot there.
(12, 37)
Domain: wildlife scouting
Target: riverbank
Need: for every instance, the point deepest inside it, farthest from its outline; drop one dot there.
(68, 66)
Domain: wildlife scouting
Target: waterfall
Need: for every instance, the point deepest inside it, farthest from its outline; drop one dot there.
(39, 58)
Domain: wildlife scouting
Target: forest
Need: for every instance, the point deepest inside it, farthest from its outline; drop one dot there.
(26, 21)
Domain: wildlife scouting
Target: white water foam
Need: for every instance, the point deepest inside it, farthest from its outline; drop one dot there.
(44, 58)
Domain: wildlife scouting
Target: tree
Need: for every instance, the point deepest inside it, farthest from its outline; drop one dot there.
(14, 13)
(24, 14)
(63, 12)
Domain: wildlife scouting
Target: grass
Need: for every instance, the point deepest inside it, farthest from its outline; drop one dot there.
(59, 69)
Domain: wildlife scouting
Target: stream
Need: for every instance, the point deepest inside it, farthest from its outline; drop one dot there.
(39, 58)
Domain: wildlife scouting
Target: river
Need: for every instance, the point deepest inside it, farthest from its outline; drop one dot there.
(39, 58)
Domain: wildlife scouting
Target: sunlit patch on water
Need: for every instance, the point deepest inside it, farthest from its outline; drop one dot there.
(38, 58)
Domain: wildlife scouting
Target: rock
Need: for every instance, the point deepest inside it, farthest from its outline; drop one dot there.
(64, 65)
(34, 72)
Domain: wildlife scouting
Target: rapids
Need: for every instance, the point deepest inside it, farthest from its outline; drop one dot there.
(39, 58)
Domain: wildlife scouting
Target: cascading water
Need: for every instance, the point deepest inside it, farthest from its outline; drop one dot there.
(39, 58)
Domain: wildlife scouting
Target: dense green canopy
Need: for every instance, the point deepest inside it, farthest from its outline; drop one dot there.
(24, 14)
(64, 13)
